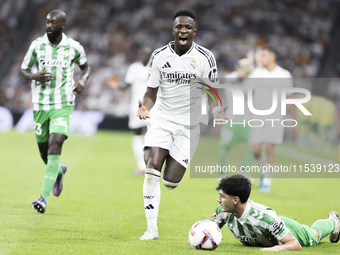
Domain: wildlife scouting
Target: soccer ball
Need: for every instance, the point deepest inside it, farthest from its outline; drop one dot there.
(205, 235)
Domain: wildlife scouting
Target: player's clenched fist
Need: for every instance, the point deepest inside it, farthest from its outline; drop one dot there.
(78, 86)
(142, 113)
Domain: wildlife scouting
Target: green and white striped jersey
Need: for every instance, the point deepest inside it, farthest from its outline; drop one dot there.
(42, 55)
(258, 226)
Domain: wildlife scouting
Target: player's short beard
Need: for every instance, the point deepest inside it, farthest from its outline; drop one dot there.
(54, 35)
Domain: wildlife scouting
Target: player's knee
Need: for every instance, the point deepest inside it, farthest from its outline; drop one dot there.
(152, 176)
(170, 185)
(152, 164)
(257, 154)
(54, 150)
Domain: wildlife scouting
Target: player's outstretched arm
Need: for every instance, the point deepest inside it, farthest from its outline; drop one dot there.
(79, 85)
(290, 243)
(149, 100)
(42, 76)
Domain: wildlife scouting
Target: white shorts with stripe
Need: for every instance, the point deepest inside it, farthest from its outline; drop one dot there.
(180, 140)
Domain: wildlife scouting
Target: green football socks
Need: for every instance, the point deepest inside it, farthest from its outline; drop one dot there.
(223, 156)
(51, 172)
(247, 157)
(60, 169)
(324, 227)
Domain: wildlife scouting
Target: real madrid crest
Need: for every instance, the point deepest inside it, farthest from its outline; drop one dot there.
(193, 64)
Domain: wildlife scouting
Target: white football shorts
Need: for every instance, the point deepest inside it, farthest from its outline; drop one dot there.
(267, 133)
(180, 140)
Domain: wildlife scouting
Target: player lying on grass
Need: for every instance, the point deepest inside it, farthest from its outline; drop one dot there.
(258, 225)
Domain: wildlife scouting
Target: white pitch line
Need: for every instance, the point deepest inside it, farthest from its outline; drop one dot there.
(301, 156)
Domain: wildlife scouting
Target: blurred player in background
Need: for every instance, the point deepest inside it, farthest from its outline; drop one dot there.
(254, 224)
(136, 76)
(263, 81)
(173, 133)
(232, 135)
(49, 63)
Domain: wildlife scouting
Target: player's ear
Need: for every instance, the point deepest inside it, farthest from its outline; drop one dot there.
(172, 31)
(195, 31)
(236, 199)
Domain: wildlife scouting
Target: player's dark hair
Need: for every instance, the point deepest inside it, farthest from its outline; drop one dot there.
(271, 49)
(236, 185)
(185, 13)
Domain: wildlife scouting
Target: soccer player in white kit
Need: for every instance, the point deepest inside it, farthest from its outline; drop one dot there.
(136, 78)
(175, 71)
(271, 133)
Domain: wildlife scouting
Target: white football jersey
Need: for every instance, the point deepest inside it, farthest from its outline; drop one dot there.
(178, 79)
(263, 82)
(232, 79)
(136, 76)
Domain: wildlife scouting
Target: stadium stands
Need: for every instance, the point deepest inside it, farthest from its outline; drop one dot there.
(112, 31)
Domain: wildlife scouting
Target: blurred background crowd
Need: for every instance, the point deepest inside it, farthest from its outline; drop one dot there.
(305, 33)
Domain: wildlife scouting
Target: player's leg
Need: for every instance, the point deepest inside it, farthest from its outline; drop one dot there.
(268, 176)
(270, 152)
(137, 148)
(330, 226)
(181, 152)
(226, 142)
(223, 155)
(248, 155)
(274, 135)
(41, 130)
(173, 173)
(43, 148)
(226, 135)
(52, 169)
(154, 160)
(57, 129)
(257, 151)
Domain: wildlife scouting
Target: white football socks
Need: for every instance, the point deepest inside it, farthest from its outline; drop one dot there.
(268, 175)
(152, 196)
(137, 148)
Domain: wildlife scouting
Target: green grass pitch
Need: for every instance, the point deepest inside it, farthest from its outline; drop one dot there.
(100, 210)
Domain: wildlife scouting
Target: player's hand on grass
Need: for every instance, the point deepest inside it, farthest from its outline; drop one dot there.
(219, 112)
(274, 248)
(42, 76)
(78, 86)
(142, 113)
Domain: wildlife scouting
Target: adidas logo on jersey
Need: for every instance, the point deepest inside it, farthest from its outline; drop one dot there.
(149, 207)
(167, 65)
(186, 161)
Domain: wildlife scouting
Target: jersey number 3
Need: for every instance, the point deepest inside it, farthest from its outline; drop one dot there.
(37, 128)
